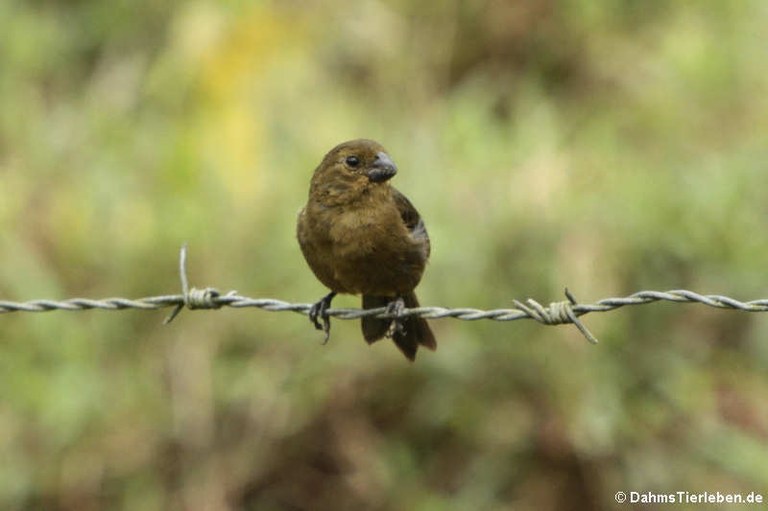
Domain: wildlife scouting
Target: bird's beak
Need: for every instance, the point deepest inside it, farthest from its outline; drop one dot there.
(383, 168)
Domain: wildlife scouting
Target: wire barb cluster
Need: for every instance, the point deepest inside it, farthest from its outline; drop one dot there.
(556, 313)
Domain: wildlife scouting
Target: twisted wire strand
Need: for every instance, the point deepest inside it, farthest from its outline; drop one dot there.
(461, 313)
(556, 313)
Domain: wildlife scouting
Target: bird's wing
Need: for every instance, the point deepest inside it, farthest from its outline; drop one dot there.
(412, 219)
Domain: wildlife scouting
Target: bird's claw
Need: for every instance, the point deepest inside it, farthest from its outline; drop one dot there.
(320, 309)
(396, 308)
(315, 311)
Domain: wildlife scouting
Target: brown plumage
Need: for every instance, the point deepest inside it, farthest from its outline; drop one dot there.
(360, 235)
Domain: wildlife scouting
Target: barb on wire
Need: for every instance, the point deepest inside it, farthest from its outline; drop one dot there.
(194, 298)
(556, 313)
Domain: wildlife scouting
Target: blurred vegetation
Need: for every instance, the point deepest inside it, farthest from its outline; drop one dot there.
(610, 146)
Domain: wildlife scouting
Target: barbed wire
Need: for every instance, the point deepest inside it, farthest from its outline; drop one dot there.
(556, 313)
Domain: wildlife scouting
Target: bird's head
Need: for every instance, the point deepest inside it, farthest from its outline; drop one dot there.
(352, 168)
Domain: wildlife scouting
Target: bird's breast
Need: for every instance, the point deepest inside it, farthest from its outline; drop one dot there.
(361, 248)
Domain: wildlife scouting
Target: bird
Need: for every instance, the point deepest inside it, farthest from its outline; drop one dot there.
(361, 236)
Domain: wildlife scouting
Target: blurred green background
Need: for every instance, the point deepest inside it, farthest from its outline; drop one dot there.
(608, 146)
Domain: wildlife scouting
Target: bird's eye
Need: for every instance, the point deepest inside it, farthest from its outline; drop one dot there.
(352, 161)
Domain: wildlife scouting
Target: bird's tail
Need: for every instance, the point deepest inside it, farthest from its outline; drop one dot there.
(415, 330)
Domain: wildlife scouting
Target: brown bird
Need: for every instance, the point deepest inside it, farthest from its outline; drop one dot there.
(360, 235)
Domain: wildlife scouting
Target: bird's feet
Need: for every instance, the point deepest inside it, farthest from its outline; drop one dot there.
(396, 308)
(320, 309)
